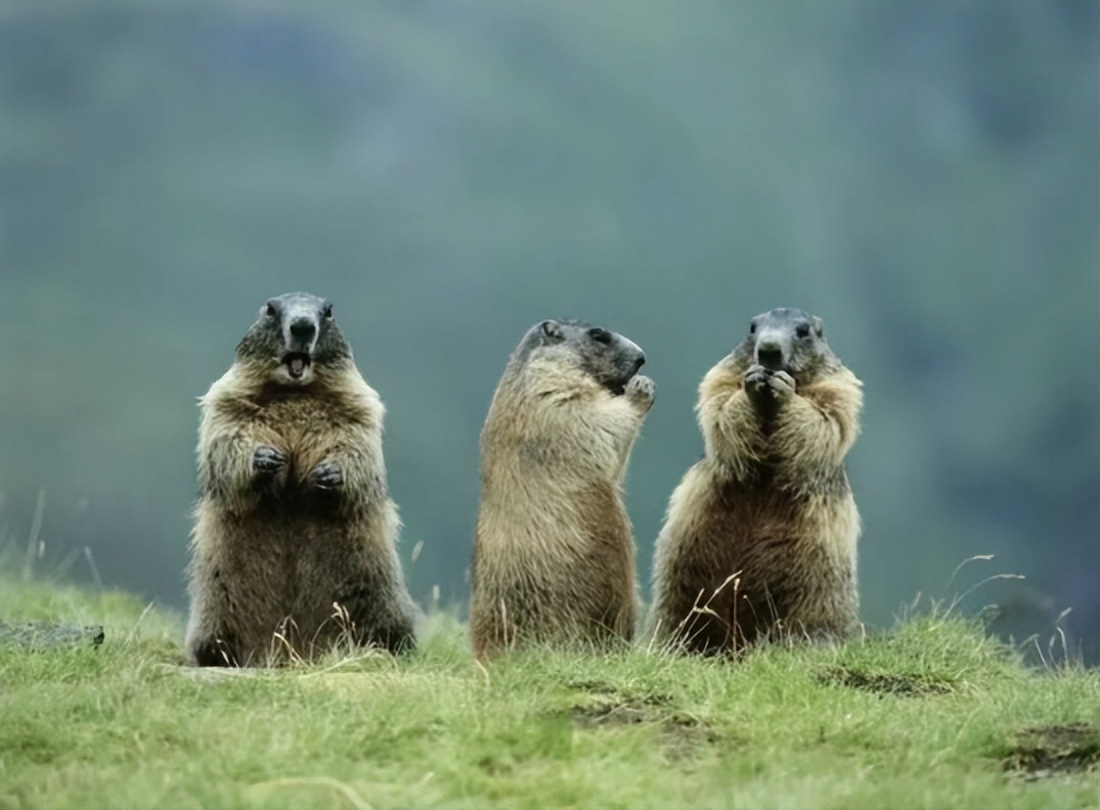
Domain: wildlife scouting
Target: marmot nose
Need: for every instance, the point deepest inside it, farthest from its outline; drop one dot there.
(769, 355)
(639, 361)
(303, 329)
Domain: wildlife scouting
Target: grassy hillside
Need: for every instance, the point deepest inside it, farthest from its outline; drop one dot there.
(933, 714)
(921, 175)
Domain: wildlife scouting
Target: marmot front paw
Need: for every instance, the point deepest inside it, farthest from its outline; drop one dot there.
(762, 384)
(327, 476)
(267, 460)
(641, 389)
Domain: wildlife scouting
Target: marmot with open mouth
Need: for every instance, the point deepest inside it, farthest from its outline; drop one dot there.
(294, 544)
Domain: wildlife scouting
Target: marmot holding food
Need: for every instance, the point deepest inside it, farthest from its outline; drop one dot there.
(760, 536)
(294, 544)
(554, 550)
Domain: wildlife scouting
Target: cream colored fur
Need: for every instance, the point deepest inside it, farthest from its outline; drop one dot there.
(554, 550)
(269, 576)
(760, 536)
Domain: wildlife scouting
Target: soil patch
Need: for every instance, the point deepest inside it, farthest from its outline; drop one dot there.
(683, 740)
(683, 743)
(1042, 751)
(615, 706)
(50, 635)
(886, 683)
(611, 714)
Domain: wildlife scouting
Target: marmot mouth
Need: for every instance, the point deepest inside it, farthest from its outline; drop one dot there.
(617, 386)
(296, 364)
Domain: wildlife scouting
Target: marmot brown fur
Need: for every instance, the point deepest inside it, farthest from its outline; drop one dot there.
(554, 550)
(760, 535)
(294, 544)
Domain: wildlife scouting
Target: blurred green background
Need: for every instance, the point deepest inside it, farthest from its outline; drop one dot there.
(924, 176)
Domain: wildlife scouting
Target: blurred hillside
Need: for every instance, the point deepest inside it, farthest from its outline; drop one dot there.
(923, 176)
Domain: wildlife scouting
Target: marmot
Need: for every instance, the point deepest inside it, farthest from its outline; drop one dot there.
(554, 550)
(294, 544)
(760, 535)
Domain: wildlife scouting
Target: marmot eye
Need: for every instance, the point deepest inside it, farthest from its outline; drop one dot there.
(802, 330)
(270, 311)
(752, 327)
(600, 335)
(327, 312)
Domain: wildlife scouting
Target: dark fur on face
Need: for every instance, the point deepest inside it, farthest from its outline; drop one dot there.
(293, 334)
(607, 356)
(788, 340)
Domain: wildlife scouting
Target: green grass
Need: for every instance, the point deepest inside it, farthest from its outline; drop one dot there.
(932, 714)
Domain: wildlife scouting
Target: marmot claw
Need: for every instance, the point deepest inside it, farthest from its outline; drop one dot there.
(327, 475)
(267, 459)
(641, 388)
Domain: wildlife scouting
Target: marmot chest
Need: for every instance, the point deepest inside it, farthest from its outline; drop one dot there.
(305, 423)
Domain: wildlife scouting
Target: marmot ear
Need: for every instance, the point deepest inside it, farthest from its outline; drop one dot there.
(552, 331)
(819, 327)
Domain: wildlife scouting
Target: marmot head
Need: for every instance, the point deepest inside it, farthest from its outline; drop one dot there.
(294, 336)
(608, 357)
(787, 340)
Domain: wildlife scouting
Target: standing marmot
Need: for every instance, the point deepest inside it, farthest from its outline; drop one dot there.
(760, 536)
(294, 517)
(554, 551)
